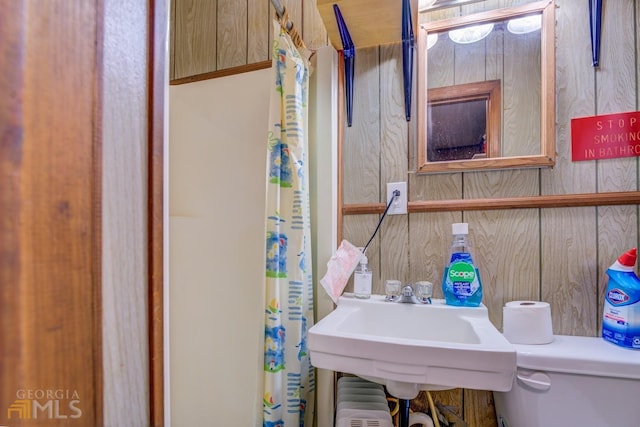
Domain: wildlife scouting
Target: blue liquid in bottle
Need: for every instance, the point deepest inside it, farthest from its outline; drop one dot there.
(621, 312)
(461, 283)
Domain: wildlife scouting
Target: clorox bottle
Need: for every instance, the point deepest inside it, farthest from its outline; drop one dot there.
(461, 284)
(621, 317)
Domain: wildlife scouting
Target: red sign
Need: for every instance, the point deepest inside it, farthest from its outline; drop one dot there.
(605, 137)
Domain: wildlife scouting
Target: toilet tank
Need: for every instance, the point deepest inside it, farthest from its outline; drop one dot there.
(573, 381)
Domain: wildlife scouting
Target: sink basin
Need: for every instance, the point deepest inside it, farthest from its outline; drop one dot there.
(413, 347)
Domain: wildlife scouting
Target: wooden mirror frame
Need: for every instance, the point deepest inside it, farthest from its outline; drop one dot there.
(547, 113)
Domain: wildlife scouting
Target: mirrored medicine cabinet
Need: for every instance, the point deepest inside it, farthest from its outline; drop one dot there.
(486, 90)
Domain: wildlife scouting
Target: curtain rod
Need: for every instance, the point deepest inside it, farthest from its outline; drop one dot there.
(280, 12)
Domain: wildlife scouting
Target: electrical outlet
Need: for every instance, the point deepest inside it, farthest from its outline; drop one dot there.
(399, 206)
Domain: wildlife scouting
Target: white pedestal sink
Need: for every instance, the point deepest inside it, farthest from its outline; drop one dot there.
(413, 347)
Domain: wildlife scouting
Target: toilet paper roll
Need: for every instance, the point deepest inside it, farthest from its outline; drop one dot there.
(527, 322)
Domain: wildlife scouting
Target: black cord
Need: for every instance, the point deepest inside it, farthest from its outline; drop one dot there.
(396, 193)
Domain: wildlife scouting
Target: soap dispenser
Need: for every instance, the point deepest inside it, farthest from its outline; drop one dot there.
(362, 279)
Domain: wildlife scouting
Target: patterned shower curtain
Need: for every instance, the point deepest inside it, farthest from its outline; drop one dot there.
(289, 381)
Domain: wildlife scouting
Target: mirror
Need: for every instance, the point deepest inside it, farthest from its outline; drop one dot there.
(486, 90)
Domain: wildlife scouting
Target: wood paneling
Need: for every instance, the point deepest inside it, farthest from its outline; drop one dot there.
(258, 28)
(617, 225)
(361, 151)
(511, 236)
(214, 38)
(194, 37)
(231, 34)
(569, 239)
(557, 251)
(521, 95)
(361, 148)
(315, 34)
(394, 149)
(294, 10)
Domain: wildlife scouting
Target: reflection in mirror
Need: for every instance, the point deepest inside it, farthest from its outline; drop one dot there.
(475, 108)
(486, 90)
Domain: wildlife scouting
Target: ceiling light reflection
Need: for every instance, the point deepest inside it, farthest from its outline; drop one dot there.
(431, 40)
(524, 25)
(470, 34)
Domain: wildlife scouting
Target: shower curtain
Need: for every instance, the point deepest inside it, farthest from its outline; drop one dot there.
(289, 381)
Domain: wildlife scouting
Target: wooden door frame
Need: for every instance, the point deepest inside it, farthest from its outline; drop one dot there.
(50, 226)
(158, 87)
(51, 168)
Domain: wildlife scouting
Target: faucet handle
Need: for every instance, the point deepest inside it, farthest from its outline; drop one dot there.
(392, 289)
(424, 291)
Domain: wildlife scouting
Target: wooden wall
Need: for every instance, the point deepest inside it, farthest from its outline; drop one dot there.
(215, 35)
(557, 255)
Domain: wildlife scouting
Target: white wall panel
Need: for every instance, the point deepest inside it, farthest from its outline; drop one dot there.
(217, 160)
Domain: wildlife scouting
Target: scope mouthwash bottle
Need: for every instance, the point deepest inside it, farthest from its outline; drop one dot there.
(621, 316)
(461, 284)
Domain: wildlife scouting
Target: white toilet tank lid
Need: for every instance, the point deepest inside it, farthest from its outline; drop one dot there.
(580, 355)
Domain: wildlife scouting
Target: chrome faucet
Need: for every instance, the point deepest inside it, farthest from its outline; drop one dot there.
(408, 296)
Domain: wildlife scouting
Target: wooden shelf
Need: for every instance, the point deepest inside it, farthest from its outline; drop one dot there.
(370, 22)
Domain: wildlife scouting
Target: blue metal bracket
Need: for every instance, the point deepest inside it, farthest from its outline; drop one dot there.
(348, 56)
(595, 21)
(408, 49)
